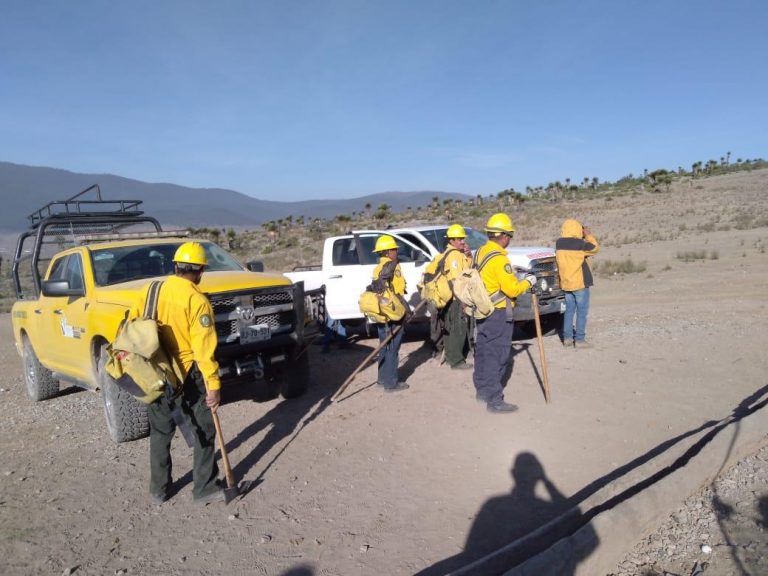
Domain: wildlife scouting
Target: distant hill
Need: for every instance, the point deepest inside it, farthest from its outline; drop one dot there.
(24, 189)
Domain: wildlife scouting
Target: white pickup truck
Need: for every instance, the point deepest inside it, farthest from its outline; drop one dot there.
(348, 263)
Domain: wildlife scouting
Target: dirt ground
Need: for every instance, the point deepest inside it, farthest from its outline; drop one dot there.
(423, 480)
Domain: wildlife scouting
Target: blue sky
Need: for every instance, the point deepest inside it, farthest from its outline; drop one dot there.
(292, 100)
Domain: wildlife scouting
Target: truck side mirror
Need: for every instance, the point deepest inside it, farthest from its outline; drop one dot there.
(255, 266)
(60, 288)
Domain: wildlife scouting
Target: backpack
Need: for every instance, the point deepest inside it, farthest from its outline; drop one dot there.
(369, 306)
(136, 360)
(470, 290)
(379, 302)
(435, 285)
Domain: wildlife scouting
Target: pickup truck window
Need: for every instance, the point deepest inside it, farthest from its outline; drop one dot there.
(345, 252)
(475, 239)
(69, 268)
(418, 241)
(58, 269)
(368, 243)
(125, 263)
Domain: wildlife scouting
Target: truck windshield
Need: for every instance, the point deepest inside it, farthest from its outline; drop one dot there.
(437, 237)
(126, 263)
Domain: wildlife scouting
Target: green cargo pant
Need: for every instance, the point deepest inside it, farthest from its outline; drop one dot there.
(162, 427)
(456, 331)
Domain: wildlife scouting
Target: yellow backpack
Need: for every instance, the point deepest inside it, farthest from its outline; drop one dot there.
(379, 302)
(137, 362)
(369, 305)
(391, 305)
(435, 285)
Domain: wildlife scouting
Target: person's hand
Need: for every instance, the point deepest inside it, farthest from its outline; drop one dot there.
(466, 249)
(213, 399)
(532, 279)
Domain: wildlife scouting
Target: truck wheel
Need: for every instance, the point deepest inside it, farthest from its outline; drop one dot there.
(41, 384)
(126, 417)
(295, 378)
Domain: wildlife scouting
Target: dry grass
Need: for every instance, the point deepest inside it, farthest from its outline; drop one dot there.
(613, 268)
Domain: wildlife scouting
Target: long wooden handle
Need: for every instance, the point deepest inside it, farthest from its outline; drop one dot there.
(383, 343)
(224, 458)
(535, 306)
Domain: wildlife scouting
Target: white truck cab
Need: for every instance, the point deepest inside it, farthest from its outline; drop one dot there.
(349, 260)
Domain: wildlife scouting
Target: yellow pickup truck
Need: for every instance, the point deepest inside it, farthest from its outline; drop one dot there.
(104, 253)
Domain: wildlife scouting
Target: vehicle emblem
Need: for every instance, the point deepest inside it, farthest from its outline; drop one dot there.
(246, 313)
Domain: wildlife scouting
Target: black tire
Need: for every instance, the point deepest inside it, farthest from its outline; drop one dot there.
(126, 417)
(40, 381)
(295, 377)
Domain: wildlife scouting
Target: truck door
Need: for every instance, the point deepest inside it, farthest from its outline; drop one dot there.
(67, 341)
(349, 269)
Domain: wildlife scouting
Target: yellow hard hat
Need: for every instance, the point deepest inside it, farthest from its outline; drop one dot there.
(499, 222)
(385, 242)
(456, 231)
(191, 253)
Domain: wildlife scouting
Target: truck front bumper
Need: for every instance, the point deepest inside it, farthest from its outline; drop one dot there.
(552, 305)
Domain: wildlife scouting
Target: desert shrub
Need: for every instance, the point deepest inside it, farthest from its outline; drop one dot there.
(692, 255)
(612, 268)
(714, 255)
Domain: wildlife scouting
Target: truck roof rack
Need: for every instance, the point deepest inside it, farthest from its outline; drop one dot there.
(76, 208)
(66, 221)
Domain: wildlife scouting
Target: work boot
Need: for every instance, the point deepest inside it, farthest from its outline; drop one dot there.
(158, 498)
(582, 344)
(397, 387)
(567, 343)
(502, 407)
(215, 496)
(461, 366)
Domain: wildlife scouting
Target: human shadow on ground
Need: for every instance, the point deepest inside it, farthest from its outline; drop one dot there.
(574, 518)
(747, 406)
(415, 359)
(724, 512)
(300, 570)
(517, 348)
(287, 418)
(507, 518)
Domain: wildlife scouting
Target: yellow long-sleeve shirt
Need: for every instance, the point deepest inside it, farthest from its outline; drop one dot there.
(187, 329)
(498, 275)
(455, 263)
(398, 280)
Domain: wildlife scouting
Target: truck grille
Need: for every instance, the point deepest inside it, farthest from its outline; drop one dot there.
(223, 305)
(544, 265)
(284, 297)
(235, 312)
(546, 269)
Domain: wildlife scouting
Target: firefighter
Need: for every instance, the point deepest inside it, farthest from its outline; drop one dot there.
(494, 333)
(573, 250)
(457, 257)
(188, 333)
(388, 270)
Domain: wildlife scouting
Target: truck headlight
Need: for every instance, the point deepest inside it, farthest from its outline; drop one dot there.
(544, 285)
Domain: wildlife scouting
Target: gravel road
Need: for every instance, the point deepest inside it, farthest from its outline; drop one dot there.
(720, 531)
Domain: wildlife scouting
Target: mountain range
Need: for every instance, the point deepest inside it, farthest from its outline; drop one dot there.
(25, 189)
